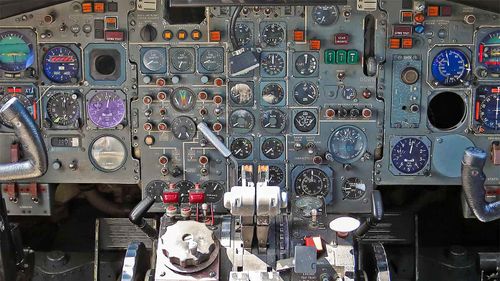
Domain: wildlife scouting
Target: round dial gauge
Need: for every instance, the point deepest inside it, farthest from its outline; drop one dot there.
(312, 182)
(154, 60)
(183, 99)
(273, 63)
(184, 187)
(410, 155)
(155, 190)
(325, 15)
(489, 52)
(241, 148)
(182, 59)
(272, 148)
(183, 128)
(306, 64)
(212, 60)
(214, 191)
(63, 108)
(347, 144)
(276, 175)
(305, 93)
(106, 109)
(273, 120)
(304, 121)
(243, 34)
(273, 34)
(241, 121)
(450, 67)
(108, 154)
(241, 94)
(16, 52)
(307, 203)
(353, 188)
(28, 104)
(273, 93)
(60, 65)
(349, 93)
(490, 111)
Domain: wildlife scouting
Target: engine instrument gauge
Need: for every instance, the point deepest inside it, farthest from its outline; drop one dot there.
(60, 65)
(305, 93)
(273, 121)
(410, 155)
(243, 34)
(214, 191)
(312, 182)
(106, 109)
(305, 205)
(273, 34)
(306, 64)
(273, 63)
(184, 187)
(25, 94)
(212, 60)
(241, 121)
(241, 148)
(183, 128)
(489, 112)
(183, 99)
(347, 144)
(241, 94)
(273, 93)
(353, 188)
(276, 175)
(489, 53)
(304, 121)
(182, 60)
(450, 67)
(325, 15)
(154, 60)
(272, 148)
(63, 108)
(108, 154)
(155, 190)
(16, 52)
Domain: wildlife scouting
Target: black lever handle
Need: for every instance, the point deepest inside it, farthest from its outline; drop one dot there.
(136, 216)
(376, 216)
(473, 179)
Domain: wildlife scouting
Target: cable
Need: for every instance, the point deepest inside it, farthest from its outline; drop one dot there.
(232, 27)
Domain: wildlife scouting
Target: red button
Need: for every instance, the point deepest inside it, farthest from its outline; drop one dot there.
(196, 197)
(170, 197)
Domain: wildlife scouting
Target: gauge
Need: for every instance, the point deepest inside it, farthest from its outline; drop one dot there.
(184, 187)
(182, 59)
(273, 120)
(347, 144)
(183, 128)
(212, 60)
(490, 110)
(16, 52)
(304, 121)
(489, 52)
(106, 109)
(183, 99)
(273, 34)
(241, 94)
(154, 60)
(276, 175)
(241, 121)
(155, 190)
(410, 155)
(243, 34)
(325, 15)
(273, 63)
(63, 109)
(273, 93)
(214, 191)
(108, 154)
(26, 95)
(312, 182)
(241, 148)
(450, 67)
(60, 65)
(353, 188)
(308, 202)
(306, 64)
(272, 148)
(305, 93)
(349, 93)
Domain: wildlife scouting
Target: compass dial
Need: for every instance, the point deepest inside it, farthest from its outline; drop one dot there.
(410, 155)
(312, 182)
(490, 111)
(60, 65)
(106, 109)
(63, 109)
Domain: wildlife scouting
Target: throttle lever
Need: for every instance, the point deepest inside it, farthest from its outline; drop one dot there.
(473, 179)
(376, 216)
(35, 160)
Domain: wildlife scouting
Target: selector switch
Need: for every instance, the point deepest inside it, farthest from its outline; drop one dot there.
(148, 33)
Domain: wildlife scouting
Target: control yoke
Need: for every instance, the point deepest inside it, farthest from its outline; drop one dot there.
(473, 179)
(35, 160)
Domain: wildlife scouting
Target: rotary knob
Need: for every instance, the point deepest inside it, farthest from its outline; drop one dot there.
(148, 33)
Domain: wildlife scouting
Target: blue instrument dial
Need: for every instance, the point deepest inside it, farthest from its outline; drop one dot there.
(60, 65)
(450, 67)
(490, 111)
(410, 155)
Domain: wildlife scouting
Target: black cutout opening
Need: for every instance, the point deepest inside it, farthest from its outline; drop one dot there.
(446, 110)
(105, 64)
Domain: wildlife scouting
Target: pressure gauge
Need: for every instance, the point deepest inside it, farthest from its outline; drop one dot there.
(108, 153)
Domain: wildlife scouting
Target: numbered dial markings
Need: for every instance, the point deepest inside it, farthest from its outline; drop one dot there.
(241, 148)
(214, 191)
(304, 121)
(410, 155)
(347, 144)
(276, 175)
(273, 64)
(212, 60)
(183, 128)
(182, 59)
(353, 189)
(306, 64)
(312, 182)
(60, 65)
(63, 109)
(273, 34)
(325, 15)
(272, 148)
(450, 67)
(243, 34)
(273, 121)
(106, 109)
(242, 121)
(184, 187)
(305, 93)
(154, 60)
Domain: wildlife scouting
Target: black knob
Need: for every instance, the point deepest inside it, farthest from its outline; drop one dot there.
(176, 172)
(148, 33)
